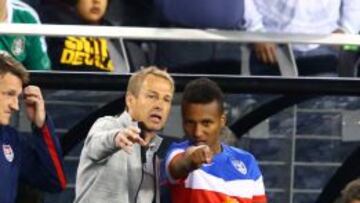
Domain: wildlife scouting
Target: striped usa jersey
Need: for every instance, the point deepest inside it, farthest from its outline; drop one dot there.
(233, 176)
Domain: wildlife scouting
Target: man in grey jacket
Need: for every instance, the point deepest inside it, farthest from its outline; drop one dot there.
(117, 160)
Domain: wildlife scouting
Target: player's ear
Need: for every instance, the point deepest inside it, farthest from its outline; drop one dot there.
(223, 120)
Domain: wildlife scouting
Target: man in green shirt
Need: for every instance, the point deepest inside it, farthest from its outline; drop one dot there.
(29, 50)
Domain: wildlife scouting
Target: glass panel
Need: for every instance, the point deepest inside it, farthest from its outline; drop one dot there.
(312, 177)
(308, 150)
(305, 198)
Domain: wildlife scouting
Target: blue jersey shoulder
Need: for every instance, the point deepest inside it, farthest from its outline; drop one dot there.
(233, 164)
(8, 135)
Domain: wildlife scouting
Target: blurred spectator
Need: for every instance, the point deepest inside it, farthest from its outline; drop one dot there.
(126, 12)
(205, 57)
(306, 17)
(83, 53)
(29, 50)
(351, 193)
(33, 159)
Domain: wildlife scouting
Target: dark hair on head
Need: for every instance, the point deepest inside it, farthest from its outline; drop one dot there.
(351, 191)
(9, 65)
(203, 91)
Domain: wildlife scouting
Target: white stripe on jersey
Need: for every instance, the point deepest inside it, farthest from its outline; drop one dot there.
(259, 188)
(244, 188)
(9, 11)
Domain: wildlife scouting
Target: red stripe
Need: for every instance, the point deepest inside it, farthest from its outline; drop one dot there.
(260, 199)
(180, 194)
(54, 156)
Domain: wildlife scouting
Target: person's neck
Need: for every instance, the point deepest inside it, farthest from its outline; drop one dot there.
(148, 136)
(216, 149)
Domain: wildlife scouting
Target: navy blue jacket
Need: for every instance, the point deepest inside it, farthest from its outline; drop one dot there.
(33, 159)
(225, 14)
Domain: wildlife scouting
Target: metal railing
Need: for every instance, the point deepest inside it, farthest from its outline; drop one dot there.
(285, 55)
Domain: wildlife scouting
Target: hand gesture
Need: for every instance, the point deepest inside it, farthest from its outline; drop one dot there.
(127, 137)
(196, 156)
(35, 106)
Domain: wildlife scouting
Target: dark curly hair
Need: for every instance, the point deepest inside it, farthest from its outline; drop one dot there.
(203, 91)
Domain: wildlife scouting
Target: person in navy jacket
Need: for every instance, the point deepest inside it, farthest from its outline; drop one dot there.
(33, 159)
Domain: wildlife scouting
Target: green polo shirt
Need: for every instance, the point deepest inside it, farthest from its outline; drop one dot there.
(29, 50)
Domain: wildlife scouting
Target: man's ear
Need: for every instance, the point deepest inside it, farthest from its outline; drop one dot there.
(129, 100)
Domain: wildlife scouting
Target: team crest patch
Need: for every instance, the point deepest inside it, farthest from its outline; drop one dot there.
(18, 46)
(8, 152)
(240, 166)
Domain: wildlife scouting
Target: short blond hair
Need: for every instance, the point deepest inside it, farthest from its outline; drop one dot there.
(351, 191)
(137, 79)
(9, 65)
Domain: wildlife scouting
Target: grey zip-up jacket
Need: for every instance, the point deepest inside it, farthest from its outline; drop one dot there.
(108, 174)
